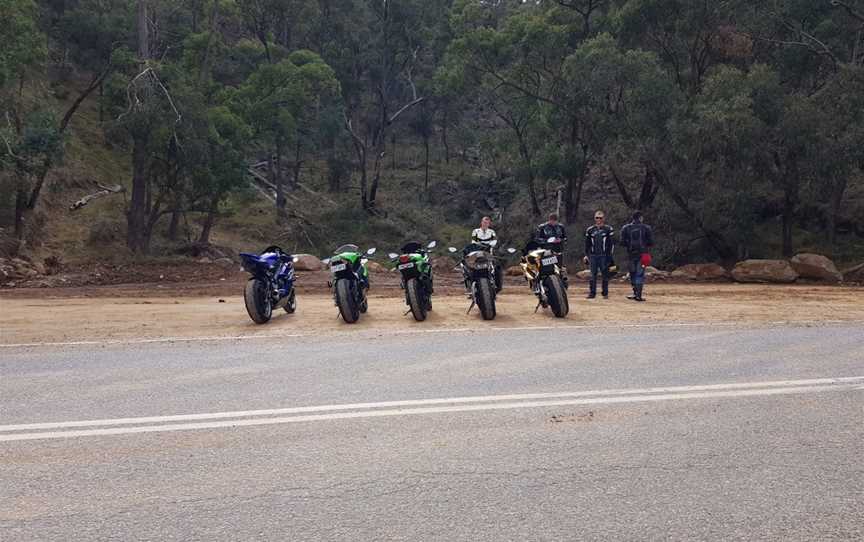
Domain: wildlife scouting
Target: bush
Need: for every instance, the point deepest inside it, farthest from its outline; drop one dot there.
(104, 232)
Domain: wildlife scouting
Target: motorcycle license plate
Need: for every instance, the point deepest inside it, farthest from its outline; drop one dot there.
(549, 261)
(338, 267)
(406, 265)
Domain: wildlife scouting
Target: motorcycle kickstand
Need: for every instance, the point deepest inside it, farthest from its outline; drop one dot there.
(407, 312)
(537, 308)
(471, 307)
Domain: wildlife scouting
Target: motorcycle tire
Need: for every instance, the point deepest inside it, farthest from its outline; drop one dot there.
(291, 305)
(415, 294)
(345, 300)
(258, 303)
(556, 294)
(486, 298)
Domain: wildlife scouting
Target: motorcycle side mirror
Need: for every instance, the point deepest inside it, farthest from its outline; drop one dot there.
(432, 244)
(452, 249)
(511, 250)
(392, 255)
(371, 251)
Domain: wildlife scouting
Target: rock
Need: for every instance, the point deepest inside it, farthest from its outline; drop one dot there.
(764, 271)
(224, 262)
(443, 265)
(654, 274)
(700, 271)
(375, 267)
(585, 274)
(854, 274)
(816, 267)
(205, 261)
(307, 262)
(514, 271)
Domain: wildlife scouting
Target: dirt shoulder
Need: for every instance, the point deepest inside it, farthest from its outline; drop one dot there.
(216, 310)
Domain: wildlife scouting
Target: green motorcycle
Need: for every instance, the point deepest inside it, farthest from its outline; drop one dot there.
(349, 279)
(416, 271)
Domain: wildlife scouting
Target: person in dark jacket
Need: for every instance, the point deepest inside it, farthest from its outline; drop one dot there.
(555, 230)
(637, 238)
(599, 247)
(551, 228)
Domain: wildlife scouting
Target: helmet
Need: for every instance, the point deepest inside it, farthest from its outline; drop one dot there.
(645, 259)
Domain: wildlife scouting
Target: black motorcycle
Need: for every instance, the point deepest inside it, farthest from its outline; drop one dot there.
(478, 272)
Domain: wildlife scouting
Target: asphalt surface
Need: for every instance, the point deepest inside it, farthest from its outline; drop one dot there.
(560, 434)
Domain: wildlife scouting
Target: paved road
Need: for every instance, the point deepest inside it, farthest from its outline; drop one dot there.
(641, 433)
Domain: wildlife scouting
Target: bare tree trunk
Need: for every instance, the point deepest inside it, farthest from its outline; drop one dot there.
(137, 214)
(298, 162)
(376, 178)
(444, 141)
(143, 34)
(834, 210)
(426, 163)
(209, 221)
(279, 181)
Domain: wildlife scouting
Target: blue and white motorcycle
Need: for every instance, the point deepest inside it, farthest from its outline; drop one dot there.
(271, 285)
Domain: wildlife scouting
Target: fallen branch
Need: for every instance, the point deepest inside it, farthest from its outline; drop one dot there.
(105, 191)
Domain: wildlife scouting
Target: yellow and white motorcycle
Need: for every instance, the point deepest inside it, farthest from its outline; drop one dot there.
(543, 269)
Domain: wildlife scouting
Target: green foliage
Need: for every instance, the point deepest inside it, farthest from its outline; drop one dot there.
(23, 43)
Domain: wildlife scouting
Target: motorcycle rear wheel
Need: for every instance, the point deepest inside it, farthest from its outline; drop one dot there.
(415, 294)
(258, 303)
(348, 308)
(556, 294)
(486, 298)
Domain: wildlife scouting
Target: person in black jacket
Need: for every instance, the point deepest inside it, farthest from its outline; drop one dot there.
(637, 238)
(552, 229)
(599, 247)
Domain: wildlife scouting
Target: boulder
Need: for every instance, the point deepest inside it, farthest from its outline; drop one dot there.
(700, 271)
(308, 262)
(224, 262)
(653, 274)
(443, 265)
(764, 271)
(854, 274)
(375, 267)
(514, 271)
(816, 267)
(585, 274)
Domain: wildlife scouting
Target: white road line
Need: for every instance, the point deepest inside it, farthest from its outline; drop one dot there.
(851, 380)
(391, 332)
(843, 384)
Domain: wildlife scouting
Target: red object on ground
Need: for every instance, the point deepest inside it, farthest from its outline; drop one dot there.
(645, 260)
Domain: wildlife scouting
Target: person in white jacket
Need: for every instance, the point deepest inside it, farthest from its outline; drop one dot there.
(484, 234)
